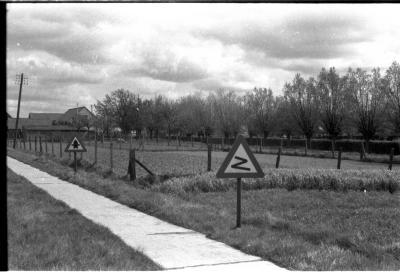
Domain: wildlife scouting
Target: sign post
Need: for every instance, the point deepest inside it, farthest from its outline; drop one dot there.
(75, 146)
(240, 163)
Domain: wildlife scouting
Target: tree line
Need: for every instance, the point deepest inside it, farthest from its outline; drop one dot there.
(360, 102)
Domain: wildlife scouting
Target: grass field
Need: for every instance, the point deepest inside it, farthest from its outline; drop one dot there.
(299, 229)
(45, 234)
(189, 162)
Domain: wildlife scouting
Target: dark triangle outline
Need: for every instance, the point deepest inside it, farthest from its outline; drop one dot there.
(79, 141)
(221, 171)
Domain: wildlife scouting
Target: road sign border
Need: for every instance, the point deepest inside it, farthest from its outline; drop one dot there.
(221, 171)
(70, 142)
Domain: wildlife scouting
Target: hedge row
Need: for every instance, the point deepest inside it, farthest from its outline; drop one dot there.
(377, 147)
(291, 179)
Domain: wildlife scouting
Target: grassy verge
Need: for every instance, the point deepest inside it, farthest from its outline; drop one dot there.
(45, 234)
(300, 229)
(291, 179)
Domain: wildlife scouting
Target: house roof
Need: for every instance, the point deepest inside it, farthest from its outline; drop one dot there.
(53, 128)
(48, 116)
(23, 122)
(71, 113)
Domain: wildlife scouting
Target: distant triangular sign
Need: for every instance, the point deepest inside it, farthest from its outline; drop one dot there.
(240, 162)
(75, 146)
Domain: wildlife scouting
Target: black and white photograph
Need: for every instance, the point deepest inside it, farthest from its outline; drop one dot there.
(146, 136)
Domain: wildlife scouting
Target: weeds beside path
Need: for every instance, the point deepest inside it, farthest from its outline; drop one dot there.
(45, 234)
(300, 229)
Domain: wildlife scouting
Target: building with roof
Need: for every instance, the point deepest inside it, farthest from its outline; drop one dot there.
(75, 121)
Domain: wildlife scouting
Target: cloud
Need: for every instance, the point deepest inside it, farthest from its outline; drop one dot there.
(72, 36)
(80, 52)
(48, 69)
(308, 36)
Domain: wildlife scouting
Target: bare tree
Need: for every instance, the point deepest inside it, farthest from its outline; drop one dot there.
(332, 97)
(121, 107)
(261, 107)
(304, 105)
(392, 93)
(366, 94)
(169, 113)
(286, 124)
(227, 110)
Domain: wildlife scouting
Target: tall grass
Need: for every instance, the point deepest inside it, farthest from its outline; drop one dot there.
(290, 179)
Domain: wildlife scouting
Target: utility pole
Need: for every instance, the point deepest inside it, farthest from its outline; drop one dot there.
(21, 80)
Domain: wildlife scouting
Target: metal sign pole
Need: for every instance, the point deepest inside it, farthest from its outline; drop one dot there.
(75, 161)
(238, 202)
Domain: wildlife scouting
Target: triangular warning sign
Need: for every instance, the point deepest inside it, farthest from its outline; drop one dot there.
(75, 146)
(240, 162)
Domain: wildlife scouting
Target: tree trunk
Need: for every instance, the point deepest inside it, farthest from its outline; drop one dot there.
(306, 146)
(333, 147)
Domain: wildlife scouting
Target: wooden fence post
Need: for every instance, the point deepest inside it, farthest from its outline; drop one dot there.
(208, 157)
(40, 144)
(30, 145)
(339, 159)
(260, 141)
(35, 144)
(362, 152)
(24, 144)
(52, 145)
(111, 156)
(95, 149)
(391, 158)
(132, 165)
(305, 147)
(45, 143)
(60, 147)
(278, 158)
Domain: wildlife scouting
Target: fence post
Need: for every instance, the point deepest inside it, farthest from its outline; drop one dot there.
(222, 143)
(24, 144)
(40, 145)
(60, 147)
(111, 156)
(52, 145)
(339, 159)
(305, 147)
(30, 146)
(362, 152)
(95, 149)
(260, 141)
(278, 158)
(208, 157)
(391, 158)
(35, 144)
(45, 143)
(132, 165)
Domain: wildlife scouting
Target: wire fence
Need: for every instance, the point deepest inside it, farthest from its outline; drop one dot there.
(163, 157)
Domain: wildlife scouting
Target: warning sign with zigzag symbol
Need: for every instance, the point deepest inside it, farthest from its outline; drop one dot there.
(240, 162)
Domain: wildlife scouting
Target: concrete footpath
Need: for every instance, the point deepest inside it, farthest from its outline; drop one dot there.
(170, 246)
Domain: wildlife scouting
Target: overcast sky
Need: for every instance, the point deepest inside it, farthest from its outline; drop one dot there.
(77, 53)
